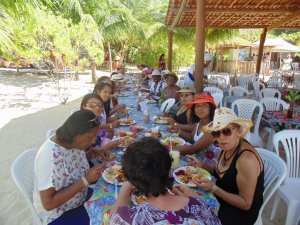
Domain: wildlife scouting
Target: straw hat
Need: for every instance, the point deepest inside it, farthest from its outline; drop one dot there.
(187, 89)
(223, 117)
(203, 97)
(117, 77)
(154, 73)
(165, 72)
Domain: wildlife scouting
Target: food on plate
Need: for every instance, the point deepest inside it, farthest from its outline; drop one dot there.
(188, 175)
(162, 120)
(136, 128)
(114, 173)
(176, 141)
(138, 199)
(150, 134)
(122, 133)
(124, 142)
(127, 122)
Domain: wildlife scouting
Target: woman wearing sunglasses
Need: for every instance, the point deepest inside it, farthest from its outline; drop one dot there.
(62, 173)
(239, 170)
(171, 91)
(184, 117)
(203, 143)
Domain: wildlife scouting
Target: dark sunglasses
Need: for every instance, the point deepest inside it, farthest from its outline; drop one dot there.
(93, 105)
(95, 121)
(226, 132)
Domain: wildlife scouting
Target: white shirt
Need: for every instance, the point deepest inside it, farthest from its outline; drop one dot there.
(206, 70)
(160, 86)
(57, 167)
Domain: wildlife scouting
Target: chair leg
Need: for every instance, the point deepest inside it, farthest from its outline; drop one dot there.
(270, 140)
(292, 214)
(275, 206)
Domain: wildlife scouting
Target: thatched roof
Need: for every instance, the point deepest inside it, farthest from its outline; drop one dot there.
(236, 14)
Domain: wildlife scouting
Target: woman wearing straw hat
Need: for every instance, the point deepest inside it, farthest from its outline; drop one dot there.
(203, 143)
(239, 171)
(171, 90)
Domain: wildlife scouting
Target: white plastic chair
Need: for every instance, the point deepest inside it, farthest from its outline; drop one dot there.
(213, 90)
(269, 92)
(50, 132)
(274, 104)
(238, 91)
(167, 105)
(257, 87)
(218, 97)
(275, 82)
(22, 173)
(274, 174)
(289, 191)
(243, 81)
(246, 109)
(74, 110)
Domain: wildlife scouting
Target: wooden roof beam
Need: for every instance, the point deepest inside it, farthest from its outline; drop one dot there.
(178, 14)
(246, 3)
(169, 13)
(285, 20)
(235, 10)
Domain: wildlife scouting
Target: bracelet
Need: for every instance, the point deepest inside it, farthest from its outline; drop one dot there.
(214, 188)
(85, 182)
(110, 126)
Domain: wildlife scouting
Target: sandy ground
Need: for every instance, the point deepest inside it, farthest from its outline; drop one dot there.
(28, 131)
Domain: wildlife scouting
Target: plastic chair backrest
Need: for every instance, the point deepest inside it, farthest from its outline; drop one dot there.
(246, 108)
(238, 91)
(22, 173)
(213, 90)
(274, 82)
(257, 87)
(74, 110)
(274, 104)
(274, 173)
(50, 132)
(290, 140)
(270, 92)
(243, 81)
(218, 97)
(167, 105)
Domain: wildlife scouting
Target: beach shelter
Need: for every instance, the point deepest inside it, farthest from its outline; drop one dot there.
(224, 14)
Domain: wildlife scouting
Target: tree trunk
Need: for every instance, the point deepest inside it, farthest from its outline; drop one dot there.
(94, 77)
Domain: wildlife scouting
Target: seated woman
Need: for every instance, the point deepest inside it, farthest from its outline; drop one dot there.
(203, 143)
(157, 85)
(240, 172)
(185, 117)
(171, 90)
(146, 165)
(62, 173)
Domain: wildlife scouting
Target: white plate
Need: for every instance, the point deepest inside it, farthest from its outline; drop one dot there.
(109, 177)
(137, 199)
(122, 122)
(178, 140)
(161, 120)
(123, 95)
(150, 101)
(198, 172)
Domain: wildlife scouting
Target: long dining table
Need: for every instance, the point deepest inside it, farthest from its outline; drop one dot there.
(103, 197)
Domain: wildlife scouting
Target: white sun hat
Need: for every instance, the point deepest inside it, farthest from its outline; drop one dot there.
(117, 77)
(164, 72)
(154, 73)
(224, 116)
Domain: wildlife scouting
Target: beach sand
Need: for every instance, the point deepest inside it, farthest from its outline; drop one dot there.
(29, 132)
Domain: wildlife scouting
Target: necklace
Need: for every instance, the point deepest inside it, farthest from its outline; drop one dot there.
(224, 160)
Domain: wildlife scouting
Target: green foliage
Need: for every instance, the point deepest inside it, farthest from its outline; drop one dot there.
(293, 96)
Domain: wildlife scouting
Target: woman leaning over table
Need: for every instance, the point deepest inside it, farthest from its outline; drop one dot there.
(146, 165)
(62, 173)
(239, 171)
(203, 143)
(184, 118)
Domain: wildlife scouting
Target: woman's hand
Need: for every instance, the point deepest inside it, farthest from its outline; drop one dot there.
(204, 184)
(183, 190)
(194, 161)
(120, 107)
(171, 121)
(104, 154)
(113, 144)
(115, 124)
(95, 172)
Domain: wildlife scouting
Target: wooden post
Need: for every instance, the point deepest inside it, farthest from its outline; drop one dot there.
(170, 49)
(260, 51)
(200, 45)
(109, 53)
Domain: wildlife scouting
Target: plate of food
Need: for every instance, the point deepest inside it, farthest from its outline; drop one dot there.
(124, 142)
(127, 122)
(122, 133)
(188, 174)
(136, 128)
(150, 101)
(138, 199)
(176, 141)
(123, 95)
(160, 120)
(115, 172)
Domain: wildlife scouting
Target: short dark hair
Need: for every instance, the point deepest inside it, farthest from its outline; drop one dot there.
(80, 122)
(212, 110)
(146, 165)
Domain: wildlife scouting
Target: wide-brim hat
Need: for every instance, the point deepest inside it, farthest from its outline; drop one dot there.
(164, 72)
(117, 58)
(154, 73)
(224, 116)
(187, 89)
(117, 77)
(172, 75)
(203, 97)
